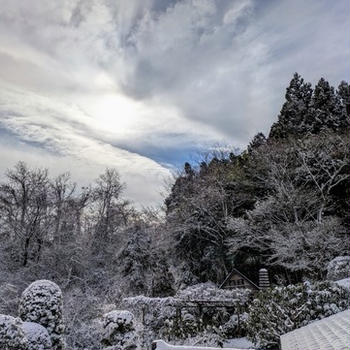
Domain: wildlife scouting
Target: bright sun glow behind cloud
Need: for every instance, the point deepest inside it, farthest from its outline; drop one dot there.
(115, 112)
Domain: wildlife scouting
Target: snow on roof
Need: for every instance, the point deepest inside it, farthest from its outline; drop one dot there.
(331, 333)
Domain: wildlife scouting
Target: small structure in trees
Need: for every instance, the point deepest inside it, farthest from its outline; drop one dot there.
(264, 281)
(236, 279)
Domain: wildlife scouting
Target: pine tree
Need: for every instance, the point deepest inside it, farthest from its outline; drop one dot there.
(258, 140)
(343, 93)
(291, 120)
(326, 108)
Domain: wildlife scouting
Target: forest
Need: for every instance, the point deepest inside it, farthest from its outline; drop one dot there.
(282, 204)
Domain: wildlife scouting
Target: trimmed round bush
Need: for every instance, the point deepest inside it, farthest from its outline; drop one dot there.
(37, 336)
(11, 334)
(41, 302)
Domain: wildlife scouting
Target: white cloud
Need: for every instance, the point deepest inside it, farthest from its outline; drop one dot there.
(101, 82)
(69, 146)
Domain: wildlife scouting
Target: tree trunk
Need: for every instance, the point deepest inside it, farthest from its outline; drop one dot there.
(26, 253)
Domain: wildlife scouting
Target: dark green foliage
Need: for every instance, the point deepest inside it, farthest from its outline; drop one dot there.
(258, 140)
(309, 112)
(295, 111)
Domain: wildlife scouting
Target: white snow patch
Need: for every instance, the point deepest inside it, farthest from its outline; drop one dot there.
(162, 345)
(241, 343)
(37, 336)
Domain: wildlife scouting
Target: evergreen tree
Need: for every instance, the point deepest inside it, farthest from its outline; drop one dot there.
(326, 108)
(343, 93)
(291, 120)
(258, 140)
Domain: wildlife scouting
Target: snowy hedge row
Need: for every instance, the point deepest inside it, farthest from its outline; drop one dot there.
(161, 317)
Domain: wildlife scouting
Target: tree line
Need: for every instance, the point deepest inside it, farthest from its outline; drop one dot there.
(283, 203)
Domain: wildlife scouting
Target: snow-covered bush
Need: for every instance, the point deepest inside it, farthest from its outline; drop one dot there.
(41, 302)
(235, 326)
(37, 336)
(338, 268)
(156, 315)
(11, 334)
(119, 330)
(283, 309)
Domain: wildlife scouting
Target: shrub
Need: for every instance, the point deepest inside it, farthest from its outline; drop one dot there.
(37, 336)
(11, 334)
(41, 302)
(338, 268)
(119, 329)
(283, 309)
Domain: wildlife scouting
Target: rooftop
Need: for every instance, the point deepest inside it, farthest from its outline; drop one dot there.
(330, 333)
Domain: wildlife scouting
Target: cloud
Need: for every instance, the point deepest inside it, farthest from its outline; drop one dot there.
(40, 134)
(140, 84)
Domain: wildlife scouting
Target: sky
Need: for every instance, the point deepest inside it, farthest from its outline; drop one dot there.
(144, 85)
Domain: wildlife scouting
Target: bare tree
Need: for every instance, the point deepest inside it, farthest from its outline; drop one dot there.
(109, 207)
(25, 209)
(62, 194)
(325, 162)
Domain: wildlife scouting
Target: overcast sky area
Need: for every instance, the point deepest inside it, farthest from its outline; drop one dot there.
(141, 85)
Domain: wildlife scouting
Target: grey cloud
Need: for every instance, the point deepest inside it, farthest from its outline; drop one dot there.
(232, 74)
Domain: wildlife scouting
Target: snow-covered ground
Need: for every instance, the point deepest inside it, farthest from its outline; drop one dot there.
(233, 344)
(240, 343)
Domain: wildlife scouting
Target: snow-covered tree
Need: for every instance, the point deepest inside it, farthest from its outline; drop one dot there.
(62, 193)
(25, 210)
(109, 206)
(144, 267)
